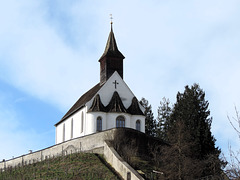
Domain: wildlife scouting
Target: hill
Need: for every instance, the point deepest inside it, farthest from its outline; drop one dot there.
(74, 166)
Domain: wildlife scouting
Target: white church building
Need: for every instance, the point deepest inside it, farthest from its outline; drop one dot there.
(109, 104)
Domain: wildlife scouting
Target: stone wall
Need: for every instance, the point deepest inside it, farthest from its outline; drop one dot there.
(91, 143)
(122, 167)
(94, 143)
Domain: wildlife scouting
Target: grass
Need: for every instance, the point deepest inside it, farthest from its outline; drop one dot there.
(75, 166)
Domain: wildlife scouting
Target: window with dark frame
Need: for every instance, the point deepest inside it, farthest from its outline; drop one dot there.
(138, 125)
(99, 123)
(120, 121)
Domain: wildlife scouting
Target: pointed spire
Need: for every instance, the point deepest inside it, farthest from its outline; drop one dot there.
(111, 60)
(111, 48)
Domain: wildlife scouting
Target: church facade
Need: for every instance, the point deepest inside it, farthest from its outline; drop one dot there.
(109, 104)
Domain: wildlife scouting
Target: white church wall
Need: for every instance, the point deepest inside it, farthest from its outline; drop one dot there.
(106, 92)
(142, 122)
(92, 121)
(67, 129)
(73, 127)
(73, 124)
(111, 119)
(59, 133)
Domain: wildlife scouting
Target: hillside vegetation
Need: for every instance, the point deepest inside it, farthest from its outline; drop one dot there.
(75, 166)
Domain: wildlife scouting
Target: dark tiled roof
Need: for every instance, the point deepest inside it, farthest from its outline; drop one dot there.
(81, 102)
(116, 105)
(97, 105)
(111, 47)
(134, 108)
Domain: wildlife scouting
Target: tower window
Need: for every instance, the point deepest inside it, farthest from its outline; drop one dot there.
(120, 121)
(99, 123)
(138, 125)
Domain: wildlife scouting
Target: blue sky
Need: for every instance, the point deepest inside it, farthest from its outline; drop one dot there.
(49, 53)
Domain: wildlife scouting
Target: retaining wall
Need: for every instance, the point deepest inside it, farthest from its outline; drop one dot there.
(91, 143)
(94, 143)
(122, 167)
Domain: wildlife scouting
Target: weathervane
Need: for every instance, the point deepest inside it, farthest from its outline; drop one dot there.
(111, 18)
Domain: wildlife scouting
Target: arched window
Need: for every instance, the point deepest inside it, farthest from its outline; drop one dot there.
(120, 121)
(71, 128)
(82, 119)
(63, 138)
(138, 125)
(99, 123)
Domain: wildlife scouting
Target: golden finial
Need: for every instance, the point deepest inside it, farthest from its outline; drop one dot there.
(111, 18)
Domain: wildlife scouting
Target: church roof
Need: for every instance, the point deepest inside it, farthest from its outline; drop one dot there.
(97, 105)
(134, 107)
(81, 102)
(116, 105)
(111, 48)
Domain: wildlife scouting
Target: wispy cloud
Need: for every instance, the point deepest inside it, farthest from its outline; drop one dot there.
(16, 140)
(50, 50)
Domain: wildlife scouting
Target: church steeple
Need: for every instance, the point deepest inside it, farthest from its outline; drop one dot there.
(111, 60)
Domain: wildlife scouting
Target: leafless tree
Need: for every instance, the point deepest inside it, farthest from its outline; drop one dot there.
(233, 168)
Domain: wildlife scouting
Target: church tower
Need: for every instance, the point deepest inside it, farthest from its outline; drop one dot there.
(111, 60)
(109, 104)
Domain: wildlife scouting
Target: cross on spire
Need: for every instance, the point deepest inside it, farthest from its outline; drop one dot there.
(116, 83)
(111, 18)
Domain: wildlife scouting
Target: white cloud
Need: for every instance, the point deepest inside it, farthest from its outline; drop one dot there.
(50, 50)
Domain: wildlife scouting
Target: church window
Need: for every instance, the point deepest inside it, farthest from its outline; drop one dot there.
(71, 128)
(138, 125)
(99, 123)
(63, 133)
(82, 119)
(120, 121)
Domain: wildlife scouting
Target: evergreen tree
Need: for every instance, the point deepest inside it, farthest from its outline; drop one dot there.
(177, 161)
(191, 113)
(164, 112)
(150, 122)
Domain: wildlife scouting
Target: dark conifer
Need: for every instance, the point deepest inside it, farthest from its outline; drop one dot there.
(150, 122)
(194, 140)
(164, 112)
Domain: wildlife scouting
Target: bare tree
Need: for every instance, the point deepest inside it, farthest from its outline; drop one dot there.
(233, 168)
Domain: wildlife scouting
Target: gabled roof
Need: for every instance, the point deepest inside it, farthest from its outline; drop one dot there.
(134, 107)
(111, 48)
(97, 105)
(116, 105)
(81, 102)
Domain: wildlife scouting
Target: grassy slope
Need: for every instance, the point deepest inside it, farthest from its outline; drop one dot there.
(75, 166)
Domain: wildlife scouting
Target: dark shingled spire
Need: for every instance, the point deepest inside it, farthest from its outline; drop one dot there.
(111, 48)
(116, 105)
(97, 105)
(134, 108)
(111, 60)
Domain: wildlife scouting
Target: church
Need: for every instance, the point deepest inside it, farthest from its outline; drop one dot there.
(109, 104)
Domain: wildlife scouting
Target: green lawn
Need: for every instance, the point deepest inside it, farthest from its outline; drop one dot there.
(75, 166)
